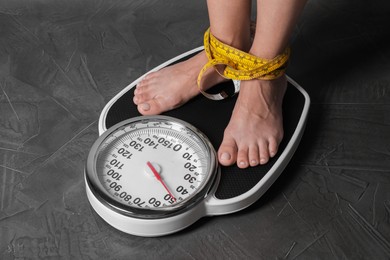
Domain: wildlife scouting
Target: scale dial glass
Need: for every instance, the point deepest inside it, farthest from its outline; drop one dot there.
(151, 165)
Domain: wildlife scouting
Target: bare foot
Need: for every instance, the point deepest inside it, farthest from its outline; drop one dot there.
(172, 86)
(256, 126)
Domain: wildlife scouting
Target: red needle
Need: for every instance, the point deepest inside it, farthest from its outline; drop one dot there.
(158, 176)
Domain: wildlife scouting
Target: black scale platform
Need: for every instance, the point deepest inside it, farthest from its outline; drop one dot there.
(211, 117)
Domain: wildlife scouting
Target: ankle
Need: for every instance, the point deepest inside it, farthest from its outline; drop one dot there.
(240, 40)
(270, 92)
(265, 53)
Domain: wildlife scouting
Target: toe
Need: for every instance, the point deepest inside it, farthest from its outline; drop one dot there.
(254, 155)
(142, 96)
(143, 108)
(227, 152)
(242, 157)
(263, 148)
(141, 83)
(151, 107)
(135, 100)
(272, 147)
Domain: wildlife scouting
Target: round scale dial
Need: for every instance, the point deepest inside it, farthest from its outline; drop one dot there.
(151, 167)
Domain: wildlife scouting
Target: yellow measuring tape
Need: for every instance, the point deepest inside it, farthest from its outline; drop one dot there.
(239, 65)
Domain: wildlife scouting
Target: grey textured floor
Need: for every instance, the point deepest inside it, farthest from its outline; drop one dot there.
(61, 61)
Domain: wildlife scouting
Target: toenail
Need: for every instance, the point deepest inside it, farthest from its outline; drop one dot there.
(253, 162)
(242, 163)
(263, 160)
(225, 156)
(145, 106)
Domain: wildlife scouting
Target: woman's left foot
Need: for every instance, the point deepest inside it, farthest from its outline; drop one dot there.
(255, 129)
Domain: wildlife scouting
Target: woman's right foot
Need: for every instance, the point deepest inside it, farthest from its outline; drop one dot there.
(172, 86)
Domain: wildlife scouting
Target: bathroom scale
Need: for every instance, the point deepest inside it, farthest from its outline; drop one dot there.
(155, 175)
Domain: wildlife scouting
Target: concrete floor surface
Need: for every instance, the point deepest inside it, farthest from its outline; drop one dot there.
(61, 61)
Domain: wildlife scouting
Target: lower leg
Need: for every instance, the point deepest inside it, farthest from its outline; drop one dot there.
(256, 126)
(276, 20)
(173, 86)
(230, 22)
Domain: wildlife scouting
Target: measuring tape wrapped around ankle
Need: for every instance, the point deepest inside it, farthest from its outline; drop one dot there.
(239, 65)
